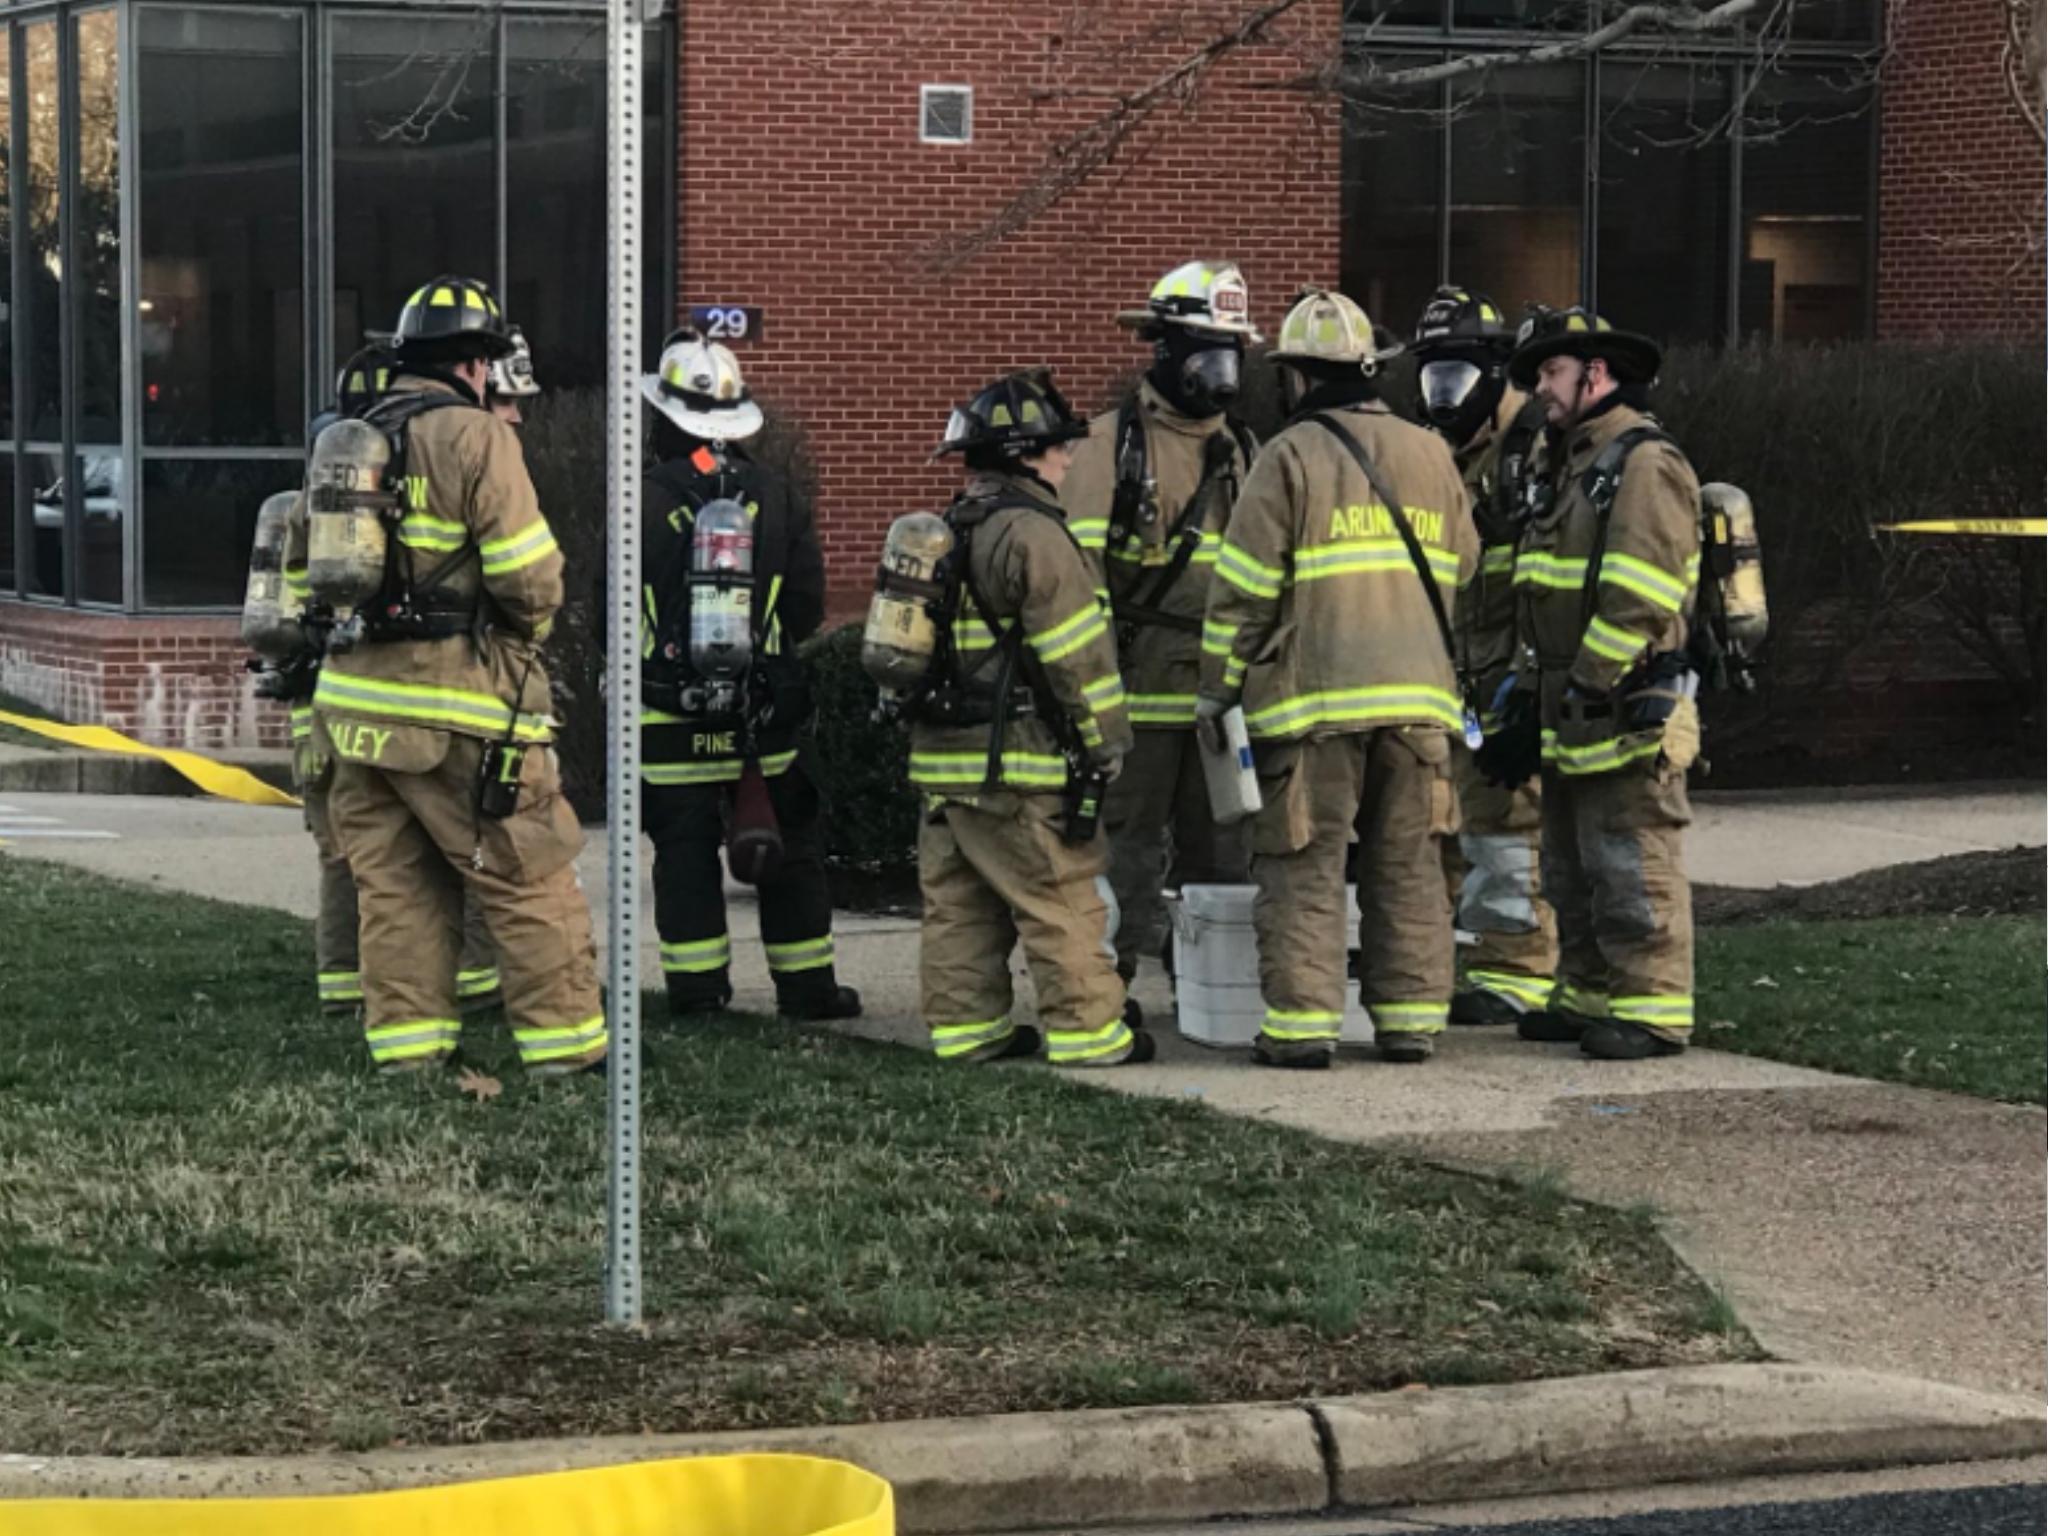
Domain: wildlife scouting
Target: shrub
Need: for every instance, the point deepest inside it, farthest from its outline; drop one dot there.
(864, 765)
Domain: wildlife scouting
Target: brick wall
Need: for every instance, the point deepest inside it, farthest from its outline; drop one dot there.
(1959, 185)
(805, 190)
(168, 681)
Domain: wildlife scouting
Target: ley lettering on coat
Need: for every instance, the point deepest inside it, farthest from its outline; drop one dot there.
(1372, 521)
(358, 743)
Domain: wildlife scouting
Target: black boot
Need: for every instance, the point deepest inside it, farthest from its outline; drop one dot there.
(1134, 1013)
(1143, 1049)
(687, 1002)
(1476, 1005)
(1618, 1040)
(817, 1007)
(1021, 1041)
(1554, 1026)
(1295, 1058)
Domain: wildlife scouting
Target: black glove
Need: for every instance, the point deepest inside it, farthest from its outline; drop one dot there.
(1512, 752)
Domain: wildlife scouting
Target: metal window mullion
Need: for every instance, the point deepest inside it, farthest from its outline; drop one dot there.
(22, 312)
(502, 154)
(67, 307)
(1445, 183)
(317, 177)
(1872, 205)
(1737, 238)
(127, 107)
(1589, 209)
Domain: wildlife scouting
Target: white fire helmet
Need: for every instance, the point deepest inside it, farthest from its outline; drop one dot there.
(1205, 296)
(698, 387)
(511, 376)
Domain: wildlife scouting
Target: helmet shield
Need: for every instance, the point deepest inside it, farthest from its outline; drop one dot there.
(1446, 386)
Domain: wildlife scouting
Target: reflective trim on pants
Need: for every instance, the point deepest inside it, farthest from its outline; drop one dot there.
(1078, 1047)
(411, 1039)
(476, 983)
(697, 958)
(1409, 1018)
(804, 955)
(1303, 1027)
(341, 986)
(953, 1040)
(543, 1045)
(1672, 1014)
(1525, 992)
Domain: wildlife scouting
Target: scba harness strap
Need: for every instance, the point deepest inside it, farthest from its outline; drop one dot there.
(409, 607)
(1135, 488)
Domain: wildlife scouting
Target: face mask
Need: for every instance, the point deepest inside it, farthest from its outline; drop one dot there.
(1210, 378)
(1458, 398)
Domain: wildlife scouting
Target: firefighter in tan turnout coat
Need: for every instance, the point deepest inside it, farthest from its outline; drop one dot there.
(1606, 578)
(1331, 626)
(1149, 497)
(1014, 732)
(438, 715)
(1461, 347)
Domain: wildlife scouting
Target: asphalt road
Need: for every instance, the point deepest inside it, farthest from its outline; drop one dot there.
(2015, 1509)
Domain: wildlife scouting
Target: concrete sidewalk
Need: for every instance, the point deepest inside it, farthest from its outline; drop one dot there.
(1851, 1223)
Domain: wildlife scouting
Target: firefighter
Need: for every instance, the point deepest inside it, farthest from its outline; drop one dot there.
(338, 967)
(1461, 347)
(1329, 622)
(707, 749)
(1013, 734)
(1605, 584)
(1149, 497)
(438, 713)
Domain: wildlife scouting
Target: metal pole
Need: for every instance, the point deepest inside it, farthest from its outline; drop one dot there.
(622, 1255)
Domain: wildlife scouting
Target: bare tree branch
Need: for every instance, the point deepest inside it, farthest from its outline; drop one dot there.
(2021, 62)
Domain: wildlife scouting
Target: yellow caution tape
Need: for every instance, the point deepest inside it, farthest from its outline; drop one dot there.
(220, 779)
(1995, 527)
(704, 1496)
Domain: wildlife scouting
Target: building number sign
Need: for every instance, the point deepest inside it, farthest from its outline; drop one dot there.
(726, 322)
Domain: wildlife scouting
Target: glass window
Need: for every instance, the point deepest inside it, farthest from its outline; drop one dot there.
(1394, 13)
(555, 181)
(657, 194)
(1836, 21)
(1662, 241)
(415, 173)
(222, 178)
(44, 396)
(1393, 199)
(102, 505)
(1805, 209)
(202, 520)
(1519, 15)
(7, 531)
(7, 570)
(44, 561)
(1518, 165)
(95, 266)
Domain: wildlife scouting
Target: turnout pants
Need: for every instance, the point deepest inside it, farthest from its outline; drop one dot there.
(415, 844)
(994, 871)
(1392, 787)
(1161, 831)
(687, 825)
(1494, 870)
(337, 955)
(1614, 867)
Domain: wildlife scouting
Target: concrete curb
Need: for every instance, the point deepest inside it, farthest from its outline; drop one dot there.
(1025, 1471)
(101, 773)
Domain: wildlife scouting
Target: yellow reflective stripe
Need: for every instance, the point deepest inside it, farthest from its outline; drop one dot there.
(1233, 671)
(516, 551)
(1070, 634)
(1308, 1025)
(1410, 1018)
(425, 703)
(476, 983)
(1496, 558)
(716, 770)
(340, 986)
(426, 530)
(1592, 1005)
(1036, 770)
(1349, 705)
(1316, 560)
(658, 717)
(1672, 1011)
(1104, 692)
(971, 634)
(1162, 709)
(949, 1040)
(409, 1039)
(1090, 532)
(698, 956)
(1600, 756)
(1248, 574)
(1535, 568)
(1612, 641)
(1643, 579)
(579, 1039)
(1218, 638)
(1066, 1045)
(804, 955)
(1529, 991)
(302, 722)
(1091, 732)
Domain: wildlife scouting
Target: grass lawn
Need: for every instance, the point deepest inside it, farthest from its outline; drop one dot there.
(13, 736)
(1950, 1003)
(220, 1233)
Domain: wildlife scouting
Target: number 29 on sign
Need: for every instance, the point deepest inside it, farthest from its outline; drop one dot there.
(726, 322)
